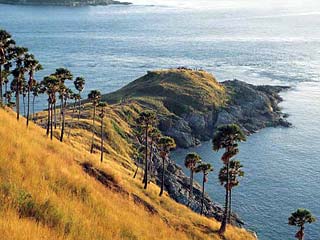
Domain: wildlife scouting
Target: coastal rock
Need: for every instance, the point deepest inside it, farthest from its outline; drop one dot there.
(251, 107)
(177, 184)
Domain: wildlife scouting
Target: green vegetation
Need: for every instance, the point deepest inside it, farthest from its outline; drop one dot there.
(299, 218)
(227, 137)
(166, 144)
(205, 169)
(191, 161)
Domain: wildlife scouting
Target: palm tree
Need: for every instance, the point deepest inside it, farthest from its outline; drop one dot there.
(32, 65)
(66, 94)
(191, 161)
(94, 96)
(5, 77)
(102, 105)
(235, 171)
(154, 136)
(6, 46)
(299, 218)
(8, 96)
(50, 86)
(62, 74)
(205, 168)
(79, 85)
(147, 120)
(18, 75)
(227, 137)
(166, 144)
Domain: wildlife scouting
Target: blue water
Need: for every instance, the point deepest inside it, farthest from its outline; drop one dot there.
(274, 42)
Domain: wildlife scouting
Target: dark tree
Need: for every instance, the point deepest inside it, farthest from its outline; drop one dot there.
(227, 137)
(94, 96)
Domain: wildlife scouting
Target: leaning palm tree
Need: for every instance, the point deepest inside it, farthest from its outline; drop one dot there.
(191, 161)
(102, 106)
(235, 171)
(6, 46)
(146, 120)
(165, 144)
(227, 137)
(32, 65)
(94, 96)
(79, 85)
(205, 168)
(299, 218)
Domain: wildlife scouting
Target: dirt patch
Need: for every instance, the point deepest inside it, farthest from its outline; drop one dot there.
(107, 180)
(139, 201)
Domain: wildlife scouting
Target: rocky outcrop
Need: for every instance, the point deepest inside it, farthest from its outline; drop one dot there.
(251, 107)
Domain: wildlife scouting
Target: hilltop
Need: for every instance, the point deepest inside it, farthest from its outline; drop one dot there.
(71, 3)
(53, 190)
(191, 104)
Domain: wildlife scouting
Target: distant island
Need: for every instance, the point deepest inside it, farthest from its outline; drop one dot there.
(70, 3)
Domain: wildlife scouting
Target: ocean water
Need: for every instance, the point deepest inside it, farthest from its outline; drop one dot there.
(261, 42)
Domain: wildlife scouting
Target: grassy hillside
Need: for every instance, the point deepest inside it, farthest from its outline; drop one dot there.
(177, 90)
(45, 193)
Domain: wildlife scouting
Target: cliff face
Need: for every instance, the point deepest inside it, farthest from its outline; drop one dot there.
(70, 3)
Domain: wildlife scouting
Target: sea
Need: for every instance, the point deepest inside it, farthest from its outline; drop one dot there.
(274, 42)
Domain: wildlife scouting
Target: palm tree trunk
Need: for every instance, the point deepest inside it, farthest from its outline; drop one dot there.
(163, 171)
(28, 106)
(150, 159)
(63, 122)
(55, 116)
(223, 226)
(202, 199)
(145, 179)
(229, 210)
(191, 184)
(61, 113)
(135, 173)
(79, 112)
(1, 99)
(51, 122)
(17, 102)
(34, 98)
(49, 116)
(93, 128)
(101, 157)
(73, 111)
(24, 104)
(6, 90)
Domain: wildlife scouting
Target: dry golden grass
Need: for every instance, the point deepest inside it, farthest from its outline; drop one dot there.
(45, 194)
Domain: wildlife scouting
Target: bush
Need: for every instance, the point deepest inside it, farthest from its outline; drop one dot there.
(46, 213)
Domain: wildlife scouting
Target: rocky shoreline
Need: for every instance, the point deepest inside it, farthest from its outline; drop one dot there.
(251, 107)
(67, 3)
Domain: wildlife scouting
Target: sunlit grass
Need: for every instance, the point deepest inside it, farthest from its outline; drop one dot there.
(45, 194)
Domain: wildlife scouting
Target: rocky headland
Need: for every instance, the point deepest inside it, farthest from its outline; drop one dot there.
(190, 105)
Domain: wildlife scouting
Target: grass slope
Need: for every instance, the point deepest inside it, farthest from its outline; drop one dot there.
(45, 194)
